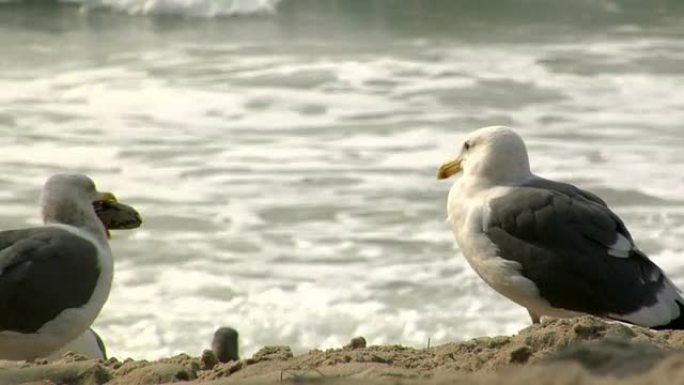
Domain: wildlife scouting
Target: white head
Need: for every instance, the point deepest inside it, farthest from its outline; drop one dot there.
(496, 154)
(68, 199)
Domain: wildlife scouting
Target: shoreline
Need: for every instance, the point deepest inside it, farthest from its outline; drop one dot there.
(562, 351)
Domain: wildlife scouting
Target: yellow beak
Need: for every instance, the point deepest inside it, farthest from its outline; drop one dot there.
(107, 197)
(449, 168)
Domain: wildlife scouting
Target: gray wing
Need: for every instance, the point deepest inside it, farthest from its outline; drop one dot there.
(567, 189)
(43, 271)
(565, 240)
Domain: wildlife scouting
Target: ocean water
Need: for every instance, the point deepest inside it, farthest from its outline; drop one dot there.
(283, 153)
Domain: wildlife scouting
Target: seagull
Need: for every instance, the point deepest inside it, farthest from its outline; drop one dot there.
(551, 247)
(54, 279)
(89, 344)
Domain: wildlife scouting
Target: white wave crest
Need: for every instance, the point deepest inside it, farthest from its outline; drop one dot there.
(195, 8)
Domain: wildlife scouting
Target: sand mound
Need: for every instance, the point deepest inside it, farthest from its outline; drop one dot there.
(581, 350)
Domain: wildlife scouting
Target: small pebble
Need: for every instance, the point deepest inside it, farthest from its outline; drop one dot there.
(521, 354)
(356, 343)
(208, 360)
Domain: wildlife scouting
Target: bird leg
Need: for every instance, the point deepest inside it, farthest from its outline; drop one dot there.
(535, 317)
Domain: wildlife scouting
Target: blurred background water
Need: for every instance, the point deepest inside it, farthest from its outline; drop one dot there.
(283, 153)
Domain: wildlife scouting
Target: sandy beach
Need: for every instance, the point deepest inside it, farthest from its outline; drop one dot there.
(583, 350)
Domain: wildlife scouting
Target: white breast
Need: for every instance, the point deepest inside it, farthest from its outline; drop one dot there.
(468, 215)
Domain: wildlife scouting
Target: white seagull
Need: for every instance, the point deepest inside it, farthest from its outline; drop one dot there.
(551, 247)
(54, 279)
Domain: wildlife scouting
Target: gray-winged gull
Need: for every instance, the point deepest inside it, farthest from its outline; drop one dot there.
(54, 279)
(551, 247)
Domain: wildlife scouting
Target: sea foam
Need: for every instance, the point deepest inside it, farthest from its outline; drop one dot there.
(193, 8)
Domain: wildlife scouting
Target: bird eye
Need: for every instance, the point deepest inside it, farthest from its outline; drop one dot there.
(466, 146)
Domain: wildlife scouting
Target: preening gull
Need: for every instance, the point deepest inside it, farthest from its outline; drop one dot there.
(54, 279)
(551, 247)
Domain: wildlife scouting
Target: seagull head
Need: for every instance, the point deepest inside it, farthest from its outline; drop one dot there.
(495, 153)
(76, 188)
(72, 189)
(70, 199)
